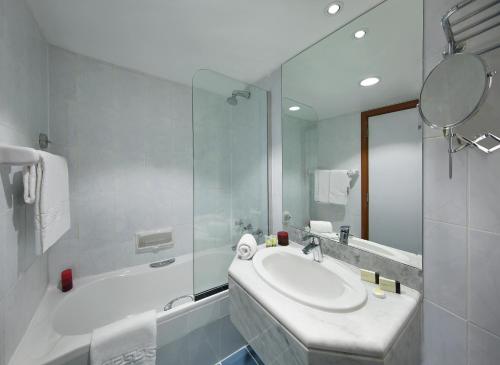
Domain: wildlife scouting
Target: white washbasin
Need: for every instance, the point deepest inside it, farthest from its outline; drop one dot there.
(327, 285)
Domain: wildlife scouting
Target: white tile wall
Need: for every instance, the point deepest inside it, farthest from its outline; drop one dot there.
(23, 115)
(484, 198)
(444, 337)
(3, 358)
(484, 295)
(128, 140)
(444, 199)
(461, 243)
(484, 347)
(445, 262)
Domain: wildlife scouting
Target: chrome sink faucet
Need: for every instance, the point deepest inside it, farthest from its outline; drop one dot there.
(314, 246)
(344, 235)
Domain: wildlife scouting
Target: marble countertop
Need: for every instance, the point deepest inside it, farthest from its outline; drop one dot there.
(370, 330)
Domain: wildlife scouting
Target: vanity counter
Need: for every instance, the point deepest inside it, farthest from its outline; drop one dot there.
(369, 331)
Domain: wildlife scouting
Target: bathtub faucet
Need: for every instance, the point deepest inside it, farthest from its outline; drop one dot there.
(157, 264)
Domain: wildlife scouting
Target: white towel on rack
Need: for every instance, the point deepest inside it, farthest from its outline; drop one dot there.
(321, 185)
(29, 183)
(129, 341)
(339, 187)
(52, 215)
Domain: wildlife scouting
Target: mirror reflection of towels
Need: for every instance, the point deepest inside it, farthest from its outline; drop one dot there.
(339, 187)
(321, 186)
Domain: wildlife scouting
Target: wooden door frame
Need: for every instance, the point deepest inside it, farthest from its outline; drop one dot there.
(365, 116)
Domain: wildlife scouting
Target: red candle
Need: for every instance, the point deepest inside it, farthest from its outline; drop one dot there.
(66, 280)
(283, 238)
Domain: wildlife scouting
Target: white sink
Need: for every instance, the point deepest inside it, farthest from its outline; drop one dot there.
(327, 285)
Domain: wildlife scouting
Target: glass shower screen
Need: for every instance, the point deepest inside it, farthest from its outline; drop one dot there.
(230, 173)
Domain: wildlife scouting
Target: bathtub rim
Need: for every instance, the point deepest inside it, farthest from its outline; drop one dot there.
(42, 345)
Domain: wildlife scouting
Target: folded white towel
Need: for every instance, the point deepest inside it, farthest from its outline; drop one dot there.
(321, 186)
(339, 187)
(321, 226)
(247, 247)
(52, 215)
(29, 182)
(129, 341)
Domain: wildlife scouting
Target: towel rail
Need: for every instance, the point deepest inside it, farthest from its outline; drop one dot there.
(451, 31)
(351, 173)
(18, 156)
(472, 13)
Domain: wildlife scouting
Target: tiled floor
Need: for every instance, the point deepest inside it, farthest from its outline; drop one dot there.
(244, 356)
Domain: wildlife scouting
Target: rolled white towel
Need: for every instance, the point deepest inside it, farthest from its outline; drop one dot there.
(247, 247)
(321, 226)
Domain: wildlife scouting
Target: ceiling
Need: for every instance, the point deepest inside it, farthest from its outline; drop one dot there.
(326, 76)
(172, 39)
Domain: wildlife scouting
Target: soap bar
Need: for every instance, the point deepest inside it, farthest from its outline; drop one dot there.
(271, 241)
(390, 285)
(378, 293)
(370, 276)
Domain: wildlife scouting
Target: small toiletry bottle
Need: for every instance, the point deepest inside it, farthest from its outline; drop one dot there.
(283, 238)
(66, 280)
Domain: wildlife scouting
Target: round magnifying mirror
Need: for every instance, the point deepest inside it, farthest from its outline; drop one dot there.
(454, 91)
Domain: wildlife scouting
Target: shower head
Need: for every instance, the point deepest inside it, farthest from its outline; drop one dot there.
(232, 100)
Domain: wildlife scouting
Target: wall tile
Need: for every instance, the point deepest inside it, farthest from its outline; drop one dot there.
(21, 303)
(4, 283)
(444, 198)
(444, 338)
(484, 348)
(484, 271)
(130, 158)
(3, 335)
(64, 254)
(484, 191)
(445, 201)
(445, 261)
(23, 115)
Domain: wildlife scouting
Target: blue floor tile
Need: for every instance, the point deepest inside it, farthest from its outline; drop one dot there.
(242, 357)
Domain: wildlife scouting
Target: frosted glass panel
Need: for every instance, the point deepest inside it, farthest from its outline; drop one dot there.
(230, 172)
(395, 160)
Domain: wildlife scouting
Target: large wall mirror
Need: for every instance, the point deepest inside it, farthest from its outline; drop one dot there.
(352, 137)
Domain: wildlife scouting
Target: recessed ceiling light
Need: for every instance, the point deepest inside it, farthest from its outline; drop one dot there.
(334, 8)
(359, 34)
(369, 81)
(294, 108)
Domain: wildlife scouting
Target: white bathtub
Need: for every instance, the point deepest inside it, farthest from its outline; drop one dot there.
(60, 331)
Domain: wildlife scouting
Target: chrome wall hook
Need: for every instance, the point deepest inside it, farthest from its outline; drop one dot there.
(43, 141)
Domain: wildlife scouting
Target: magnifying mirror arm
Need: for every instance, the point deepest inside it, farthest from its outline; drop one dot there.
(454, 138)
(464, 142)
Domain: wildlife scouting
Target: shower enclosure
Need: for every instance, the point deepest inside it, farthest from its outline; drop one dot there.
(230, 174)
